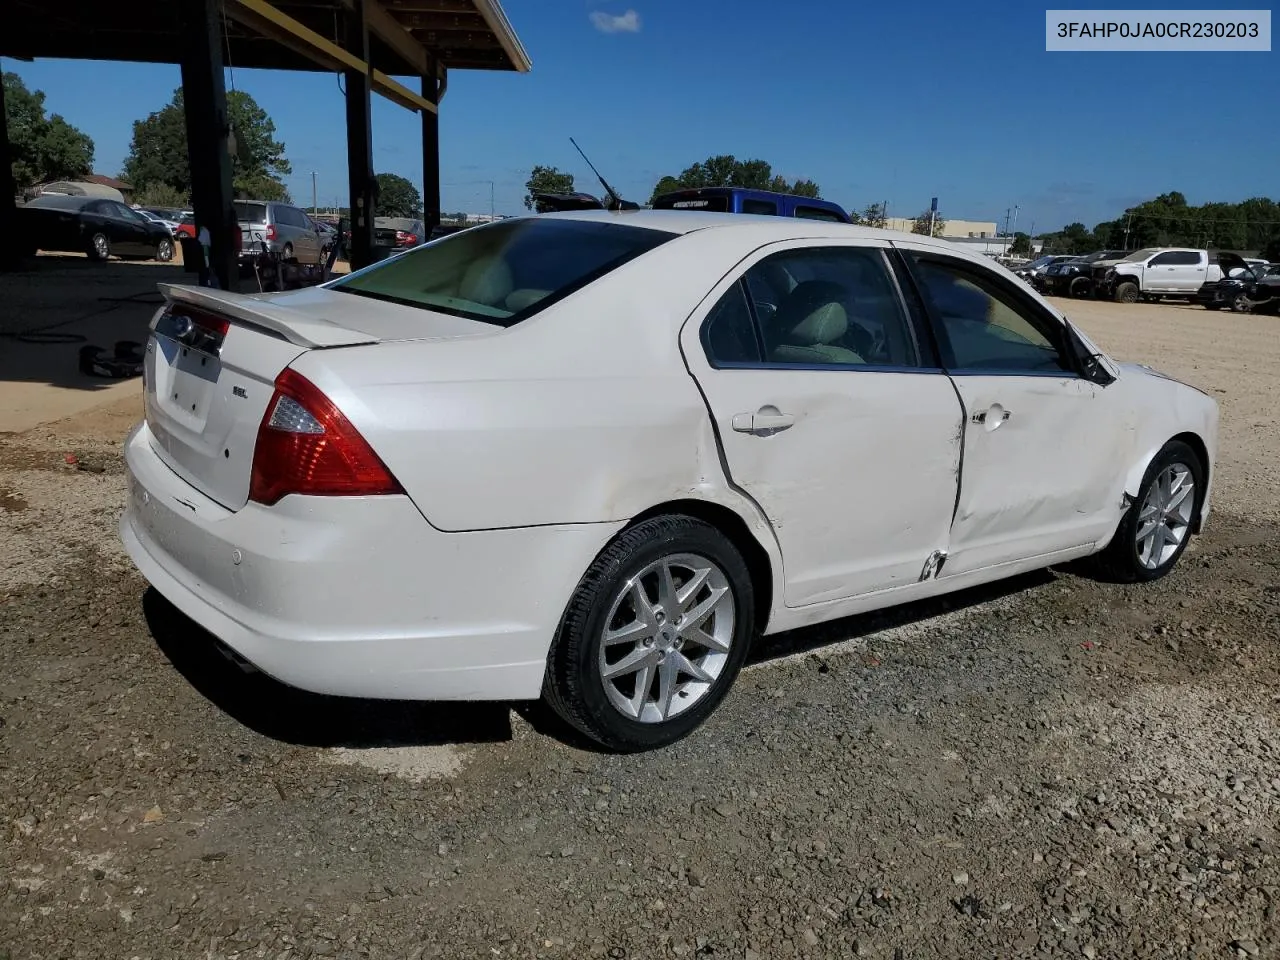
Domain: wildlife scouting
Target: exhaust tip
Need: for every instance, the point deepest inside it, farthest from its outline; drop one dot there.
(235, 658)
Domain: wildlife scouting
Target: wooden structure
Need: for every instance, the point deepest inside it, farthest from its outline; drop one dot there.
(374, 44)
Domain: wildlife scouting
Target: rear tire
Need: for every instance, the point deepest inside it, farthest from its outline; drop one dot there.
(164, 251)
(287, 252)
(632, 595)
(1132, 556)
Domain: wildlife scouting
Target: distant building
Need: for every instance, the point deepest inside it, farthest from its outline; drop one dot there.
(980, 236)
(951, 229)
(480, 218)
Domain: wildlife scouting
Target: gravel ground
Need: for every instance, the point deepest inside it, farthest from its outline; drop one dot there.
(1051, 767)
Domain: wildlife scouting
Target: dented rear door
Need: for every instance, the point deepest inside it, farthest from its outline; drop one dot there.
(853, 460)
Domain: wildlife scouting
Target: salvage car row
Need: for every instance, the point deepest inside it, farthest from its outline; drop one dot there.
(1214, 279)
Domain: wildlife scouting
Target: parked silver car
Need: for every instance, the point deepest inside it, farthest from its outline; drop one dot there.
(280, 228)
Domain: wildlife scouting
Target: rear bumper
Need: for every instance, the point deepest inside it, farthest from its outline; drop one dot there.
(357, 596)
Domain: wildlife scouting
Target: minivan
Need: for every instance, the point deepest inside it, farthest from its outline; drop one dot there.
(279, 228)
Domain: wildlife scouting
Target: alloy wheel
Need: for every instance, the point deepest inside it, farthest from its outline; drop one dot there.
(667, 637)
(1165, 518)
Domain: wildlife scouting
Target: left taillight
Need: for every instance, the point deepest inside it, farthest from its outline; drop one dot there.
(406, 238)
(307, 446)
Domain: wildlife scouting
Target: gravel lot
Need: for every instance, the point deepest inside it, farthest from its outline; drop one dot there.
(1052, 767)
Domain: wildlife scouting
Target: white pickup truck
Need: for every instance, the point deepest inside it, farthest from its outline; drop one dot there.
(1158, 272)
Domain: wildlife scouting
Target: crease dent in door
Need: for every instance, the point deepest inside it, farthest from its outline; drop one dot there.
(1031, 506)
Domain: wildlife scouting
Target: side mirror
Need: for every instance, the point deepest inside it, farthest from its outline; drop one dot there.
(1090, 363)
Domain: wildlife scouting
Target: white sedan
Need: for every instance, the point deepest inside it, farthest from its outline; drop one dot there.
(590, 456)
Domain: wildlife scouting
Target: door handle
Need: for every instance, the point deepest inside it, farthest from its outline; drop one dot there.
(993, 416)
(764, 422)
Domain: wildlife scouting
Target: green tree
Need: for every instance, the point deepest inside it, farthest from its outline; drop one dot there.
(160, 195)
(397, 197)
(1021, 246)
(546, 180)
(41, 148)
(921, 224)
(158, 150)
(873, 215)
(725, 170)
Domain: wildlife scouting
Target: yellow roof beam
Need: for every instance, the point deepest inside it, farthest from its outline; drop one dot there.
(268, 20)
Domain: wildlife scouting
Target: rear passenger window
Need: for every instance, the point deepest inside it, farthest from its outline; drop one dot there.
(767, 207)
(1176, 258)
(830, 306)
(728, 334)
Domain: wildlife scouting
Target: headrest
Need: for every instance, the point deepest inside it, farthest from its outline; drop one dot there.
(813, 313)
(488, 280)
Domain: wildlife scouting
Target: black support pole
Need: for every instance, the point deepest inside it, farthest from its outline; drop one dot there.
(359, 141)
(430, 155)
(204, 96)
(8, 208)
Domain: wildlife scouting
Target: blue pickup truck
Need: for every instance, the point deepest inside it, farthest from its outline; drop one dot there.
(716, 199)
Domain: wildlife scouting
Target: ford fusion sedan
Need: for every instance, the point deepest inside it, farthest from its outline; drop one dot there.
(591, 456)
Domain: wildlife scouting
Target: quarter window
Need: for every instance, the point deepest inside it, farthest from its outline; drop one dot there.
(729, 334)
(830, 306)
(985, 327)
(767, 207)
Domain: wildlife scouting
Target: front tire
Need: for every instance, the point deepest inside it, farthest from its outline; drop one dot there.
(1127, 293)
(654, 635)
(99, 247)
(1157, 526)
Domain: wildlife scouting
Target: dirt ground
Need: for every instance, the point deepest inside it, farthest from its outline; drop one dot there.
(1051, 767)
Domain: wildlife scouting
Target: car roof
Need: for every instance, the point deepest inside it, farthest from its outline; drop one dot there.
(775, 228)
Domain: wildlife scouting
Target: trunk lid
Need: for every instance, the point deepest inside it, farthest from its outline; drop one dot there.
(212, 359)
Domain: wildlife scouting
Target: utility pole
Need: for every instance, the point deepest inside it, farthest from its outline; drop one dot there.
(490, 199)
(1015, 217)
(1127, 221)
(315, 208)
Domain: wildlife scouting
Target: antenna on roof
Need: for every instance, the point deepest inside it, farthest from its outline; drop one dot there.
(617, 202)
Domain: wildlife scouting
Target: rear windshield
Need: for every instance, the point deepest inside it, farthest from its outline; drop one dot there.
(251, 212)
(716, 204)
(805, 212)
(505, 272)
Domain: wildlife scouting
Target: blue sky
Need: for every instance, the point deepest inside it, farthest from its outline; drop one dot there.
(896, 102)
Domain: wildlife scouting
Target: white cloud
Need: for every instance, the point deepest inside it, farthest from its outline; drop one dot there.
(628, 22)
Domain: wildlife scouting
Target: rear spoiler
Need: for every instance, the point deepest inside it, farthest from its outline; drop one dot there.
(287, 323)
